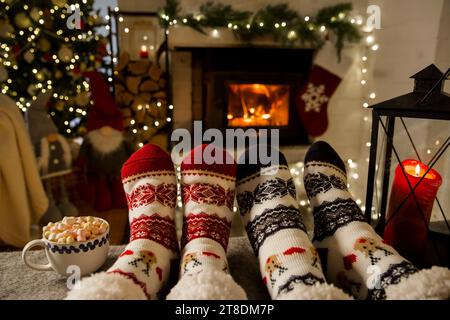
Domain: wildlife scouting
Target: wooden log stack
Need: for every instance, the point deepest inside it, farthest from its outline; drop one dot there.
(140, 90)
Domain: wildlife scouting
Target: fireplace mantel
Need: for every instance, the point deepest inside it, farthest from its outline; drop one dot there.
(186, 37)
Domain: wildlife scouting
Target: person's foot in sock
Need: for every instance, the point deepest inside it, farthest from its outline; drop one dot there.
(355, 257)
(208, 195)
(289, 264)
(142, 269)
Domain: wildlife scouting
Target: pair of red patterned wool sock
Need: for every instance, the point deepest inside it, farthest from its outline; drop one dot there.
(143, 268)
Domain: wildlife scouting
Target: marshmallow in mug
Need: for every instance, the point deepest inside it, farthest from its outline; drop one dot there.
(72, 229)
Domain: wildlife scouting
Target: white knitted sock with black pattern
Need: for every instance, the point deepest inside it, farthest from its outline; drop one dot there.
(355, 257)
(289, 263)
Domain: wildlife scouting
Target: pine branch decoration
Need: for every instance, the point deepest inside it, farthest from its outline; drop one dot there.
(285, 25)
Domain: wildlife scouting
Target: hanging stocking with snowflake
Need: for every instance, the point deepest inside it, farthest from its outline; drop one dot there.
(312, 99)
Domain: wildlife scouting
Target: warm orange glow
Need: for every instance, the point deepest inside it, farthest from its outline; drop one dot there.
(418, 169)
(258, 105)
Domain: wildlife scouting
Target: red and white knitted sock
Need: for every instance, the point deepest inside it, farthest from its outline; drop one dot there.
(143, 268)
(208, 195)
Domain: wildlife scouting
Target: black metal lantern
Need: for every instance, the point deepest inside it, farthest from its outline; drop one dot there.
(427, 101)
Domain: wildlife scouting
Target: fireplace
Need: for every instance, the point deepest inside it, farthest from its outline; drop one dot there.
(250, 88)
(257, 105)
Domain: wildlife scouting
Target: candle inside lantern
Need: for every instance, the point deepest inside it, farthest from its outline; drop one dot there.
(143, 54)
(407, 229)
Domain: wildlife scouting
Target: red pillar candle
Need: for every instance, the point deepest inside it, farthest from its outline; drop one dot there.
(407, 232)
(143, 54)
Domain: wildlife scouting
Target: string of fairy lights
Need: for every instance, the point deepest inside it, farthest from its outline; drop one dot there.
(33, 24)
(367, 51)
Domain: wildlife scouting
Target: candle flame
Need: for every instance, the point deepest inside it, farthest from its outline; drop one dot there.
(417, 170)
(143, 48)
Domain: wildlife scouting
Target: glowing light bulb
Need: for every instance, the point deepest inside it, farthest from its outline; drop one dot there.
(215, 33)
(370, 39)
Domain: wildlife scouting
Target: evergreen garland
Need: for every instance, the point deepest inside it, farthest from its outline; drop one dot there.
(285, 25)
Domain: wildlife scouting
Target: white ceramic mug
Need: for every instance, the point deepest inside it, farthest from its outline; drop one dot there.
(87, 255)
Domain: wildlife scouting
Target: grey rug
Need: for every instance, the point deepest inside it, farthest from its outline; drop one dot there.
(17, 281)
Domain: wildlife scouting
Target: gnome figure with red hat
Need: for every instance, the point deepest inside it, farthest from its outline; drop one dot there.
(54, 158)
(104, 148)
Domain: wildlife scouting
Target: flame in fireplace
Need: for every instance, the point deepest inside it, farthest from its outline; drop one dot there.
(258, 105)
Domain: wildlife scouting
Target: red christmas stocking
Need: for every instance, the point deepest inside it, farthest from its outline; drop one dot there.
(312, 100)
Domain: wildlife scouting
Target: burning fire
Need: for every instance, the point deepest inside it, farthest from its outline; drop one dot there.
(258, 105)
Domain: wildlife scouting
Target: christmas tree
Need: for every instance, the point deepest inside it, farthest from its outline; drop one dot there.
(47, 45)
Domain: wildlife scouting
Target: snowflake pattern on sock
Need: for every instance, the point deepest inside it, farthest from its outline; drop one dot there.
(204, 225)
(318, 182)
(268, 190)
(155, 227)
(208, 194)
(164, 193)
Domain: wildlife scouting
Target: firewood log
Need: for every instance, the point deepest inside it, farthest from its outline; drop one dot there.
(155, 72)
(138, 67)
(133, 83)
(123, 61)
(149, 86)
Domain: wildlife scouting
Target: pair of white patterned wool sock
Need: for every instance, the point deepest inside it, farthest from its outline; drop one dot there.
(289, 263)
(356, 259)
(143, 268)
